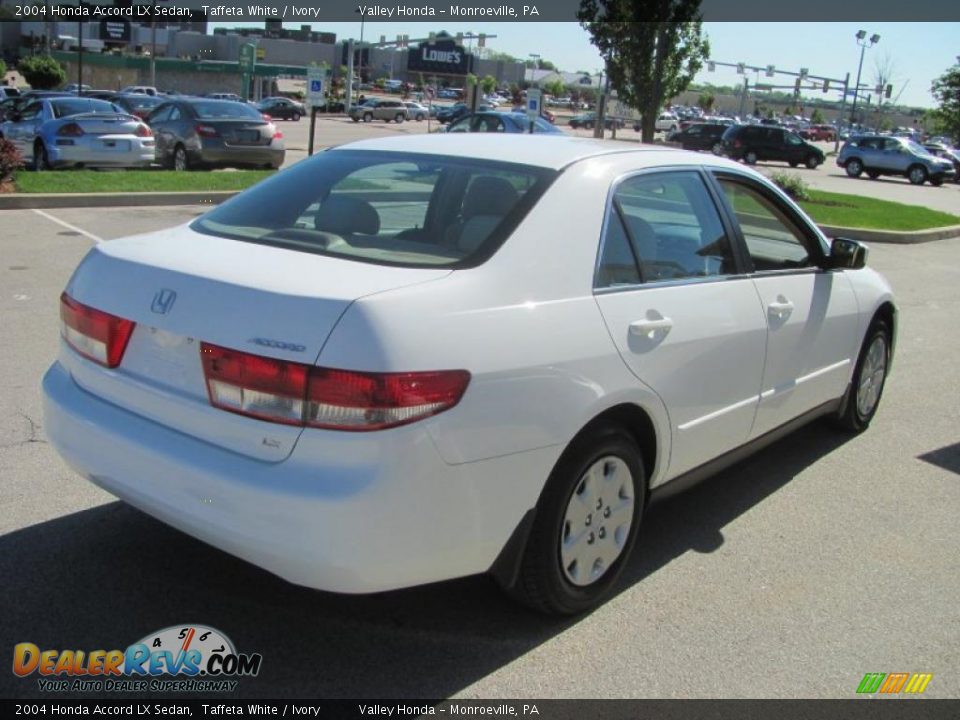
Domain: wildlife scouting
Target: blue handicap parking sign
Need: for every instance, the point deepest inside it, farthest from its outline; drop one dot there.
(315, 86)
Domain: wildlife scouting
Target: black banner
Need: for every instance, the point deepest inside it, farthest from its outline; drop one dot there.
(438, 12)
(531, 709)
(115, 30)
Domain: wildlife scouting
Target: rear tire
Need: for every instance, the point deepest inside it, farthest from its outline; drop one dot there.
(296, 117)
(586, 524)
(917, 175)
(869, 377)
(936, 182)
(717, 149)
(181, 161)
(41, 161)
(399, 118)
(854, 168)
(873, 174)
(367, 117)
(750, 157)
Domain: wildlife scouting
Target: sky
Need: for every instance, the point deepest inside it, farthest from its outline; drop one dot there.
(919, 52)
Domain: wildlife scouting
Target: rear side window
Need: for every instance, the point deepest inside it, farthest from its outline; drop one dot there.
(385, 208)
(64, 108)
(668, 223)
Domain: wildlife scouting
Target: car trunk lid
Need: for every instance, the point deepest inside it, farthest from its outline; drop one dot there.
(182, 288)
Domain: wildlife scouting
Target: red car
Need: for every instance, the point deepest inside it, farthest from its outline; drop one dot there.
(825, 133)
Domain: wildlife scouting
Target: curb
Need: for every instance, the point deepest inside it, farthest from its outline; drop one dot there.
(897, 237)
(30, 201)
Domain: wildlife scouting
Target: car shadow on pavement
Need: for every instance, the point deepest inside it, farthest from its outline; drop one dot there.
(104, 578)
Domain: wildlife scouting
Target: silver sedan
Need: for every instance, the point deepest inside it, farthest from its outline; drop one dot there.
(62, 132)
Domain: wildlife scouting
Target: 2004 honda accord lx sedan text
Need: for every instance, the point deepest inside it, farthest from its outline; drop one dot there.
(411, 359)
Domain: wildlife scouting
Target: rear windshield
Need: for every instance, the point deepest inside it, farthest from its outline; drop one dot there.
(225, 110)
(384, 207)
(65, 107)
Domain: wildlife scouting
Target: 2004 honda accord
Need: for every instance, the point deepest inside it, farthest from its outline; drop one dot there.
(411, 359)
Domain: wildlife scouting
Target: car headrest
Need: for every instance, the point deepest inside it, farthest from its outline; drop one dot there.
(347, 216)
(489, 195)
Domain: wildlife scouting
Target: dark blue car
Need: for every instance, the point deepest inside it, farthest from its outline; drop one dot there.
(504, 122)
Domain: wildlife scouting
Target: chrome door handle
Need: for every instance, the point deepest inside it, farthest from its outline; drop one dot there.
(780, 309)
(644, 328)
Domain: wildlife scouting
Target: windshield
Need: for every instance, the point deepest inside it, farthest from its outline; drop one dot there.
(76, 106)
(225, 110)
(384, 207)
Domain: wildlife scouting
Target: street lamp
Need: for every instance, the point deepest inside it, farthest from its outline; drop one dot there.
(534, 57)
(864, 45)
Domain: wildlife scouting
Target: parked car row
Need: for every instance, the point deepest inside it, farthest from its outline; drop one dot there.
(58, 130)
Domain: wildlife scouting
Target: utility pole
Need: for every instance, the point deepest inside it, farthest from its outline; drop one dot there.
(843, 103)
(153, 45)
(80, 57)
(864, 45)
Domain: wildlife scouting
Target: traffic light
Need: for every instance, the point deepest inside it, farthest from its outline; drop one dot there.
(889, 92)
(796, 86)
(826, 86)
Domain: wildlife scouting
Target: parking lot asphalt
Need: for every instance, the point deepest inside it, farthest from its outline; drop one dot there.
(336, 130)
(789, 575)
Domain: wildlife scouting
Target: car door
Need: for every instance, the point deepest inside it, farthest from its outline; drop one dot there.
(22, 132)
(684, 319)
(811, 314)
(772, 144)
(794, 149)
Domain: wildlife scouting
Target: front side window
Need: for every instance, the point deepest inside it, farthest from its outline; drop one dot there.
(773, 239)
(386, 208)
(670, 225)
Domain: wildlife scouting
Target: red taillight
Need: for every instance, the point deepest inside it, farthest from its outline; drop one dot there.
(206, 131)
(96, 335)
(70, 130)
(277, 134)
(299, 394)
(143, 131)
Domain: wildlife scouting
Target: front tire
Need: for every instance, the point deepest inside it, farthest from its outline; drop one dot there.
(296, 117)
(812, 162)
(750, 158)
(717, 149)
(399, 118)
(869, 377)
(917, 175)
(586, 524)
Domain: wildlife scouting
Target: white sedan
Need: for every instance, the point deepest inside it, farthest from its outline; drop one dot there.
(417, 358)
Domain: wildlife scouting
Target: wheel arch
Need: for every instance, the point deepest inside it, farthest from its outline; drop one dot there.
(632, 418)
(887, 312)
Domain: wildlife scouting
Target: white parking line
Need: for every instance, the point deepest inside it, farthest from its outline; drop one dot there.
(67, 225)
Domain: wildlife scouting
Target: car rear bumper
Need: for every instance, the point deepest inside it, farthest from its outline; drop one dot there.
(127, 153)
(346, 512)
(230, 155)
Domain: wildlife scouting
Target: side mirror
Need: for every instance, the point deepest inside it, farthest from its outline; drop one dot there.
(847, 254)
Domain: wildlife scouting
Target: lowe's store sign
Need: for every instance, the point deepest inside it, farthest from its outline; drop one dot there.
(441, 56)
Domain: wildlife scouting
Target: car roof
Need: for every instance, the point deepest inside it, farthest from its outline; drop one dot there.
(540, 149)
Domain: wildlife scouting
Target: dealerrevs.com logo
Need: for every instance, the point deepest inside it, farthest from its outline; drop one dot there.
(181, 658)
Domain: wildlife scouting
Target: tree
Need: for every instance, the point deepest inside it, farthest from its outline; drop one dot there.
(488, 84)
(946, 89)
(42, 72)
(3, 69)
(649, 62)
(706, 102)
(555, 87)
(816, 117)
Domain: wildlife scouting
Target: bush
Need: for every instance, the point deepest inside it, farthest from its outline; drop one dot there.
(10, 160)
(792, 185)
(42, 72)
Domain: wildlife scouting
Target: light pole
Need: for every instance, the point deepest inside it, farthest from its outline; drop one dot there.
(535, 58)
(864, 44)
